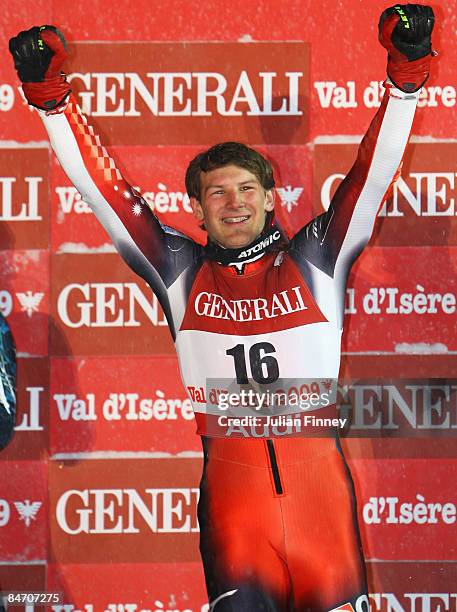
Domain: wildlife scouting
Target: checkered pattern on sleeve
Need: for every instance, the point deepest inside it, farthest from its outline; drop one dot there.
(94, 153)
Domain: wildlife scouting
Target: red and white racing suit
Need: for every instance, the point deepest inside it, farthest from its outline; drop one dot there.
(277, 515)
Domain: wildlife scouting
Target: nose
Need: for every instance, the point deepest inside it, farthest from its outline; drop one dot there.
(234, 199)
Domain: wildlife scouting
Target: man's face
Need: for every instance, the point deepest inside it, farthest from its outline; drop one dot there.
(232, 205)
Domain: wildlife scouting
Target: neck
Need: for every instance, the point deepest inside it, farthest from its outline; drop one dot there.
(271, 238)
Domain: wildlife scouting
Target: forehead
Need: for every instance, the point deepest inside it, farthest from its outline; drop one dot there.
(226, 175)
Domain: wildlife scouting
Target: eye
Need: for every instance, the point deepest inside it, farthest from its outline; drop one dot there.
(246, 187)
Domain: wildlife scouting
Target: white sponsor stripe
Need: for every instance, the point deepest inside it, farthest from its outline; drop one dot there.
(13, 144)
(125, 455)
(357, 139)
(421, 348)
(34, 562)
(338, 139)
(428, 139)
(79, 247)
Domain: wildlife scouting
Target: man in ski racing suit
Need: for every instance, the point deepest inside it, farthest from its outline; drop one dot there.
(277, 514)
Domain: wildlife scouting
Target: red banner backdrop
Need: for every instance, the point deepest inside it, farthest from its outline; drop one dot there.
(99, 487)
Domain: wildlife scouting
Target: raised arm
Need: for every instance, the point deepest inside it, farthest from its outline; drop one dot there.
(332, 241)
(157, 253)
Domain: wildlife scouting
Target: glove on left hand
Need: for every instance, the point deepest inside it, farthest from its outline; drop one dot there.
(405, 31)
(39, 54)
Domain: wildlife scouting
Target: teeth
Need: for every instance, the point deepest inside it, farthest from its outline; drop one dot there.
(235, 219)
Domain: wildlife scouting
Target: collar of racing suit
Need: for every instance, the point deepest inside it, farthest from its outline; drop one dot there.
(271, 238)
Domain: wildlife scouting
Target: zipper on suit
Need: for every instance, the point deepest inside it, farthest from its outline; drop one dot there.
(274, 467)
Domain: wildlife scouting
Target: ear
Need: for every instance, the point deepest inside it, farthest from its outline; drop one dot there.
(196, 208)
(269, 200)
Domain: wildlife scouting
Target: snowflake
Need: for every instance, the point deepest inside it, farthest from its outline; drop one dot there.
(137, 210)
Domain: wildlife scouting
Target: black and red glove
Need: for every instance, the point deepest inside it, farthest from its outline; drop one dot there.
(405, 31)
(39, 54)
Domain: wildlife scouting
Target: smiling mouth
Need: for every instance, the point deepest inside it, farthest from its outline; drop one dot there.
(235, 220)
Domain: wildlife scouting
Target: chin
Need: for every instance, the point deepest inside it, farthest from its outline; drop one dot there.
(237, 242)
(238, 239)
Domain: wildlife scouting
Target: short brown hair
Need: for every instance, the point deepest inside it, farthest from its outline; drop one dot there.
(227, 154)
